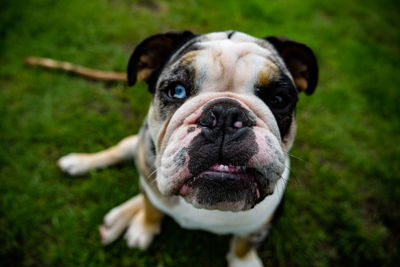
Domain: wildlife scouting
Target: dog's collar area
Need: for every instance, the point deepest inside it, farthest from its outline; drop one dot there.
(219, 222)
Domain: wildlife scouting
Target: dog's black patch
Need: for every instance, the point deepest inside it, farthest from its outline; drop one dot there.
(180, 157)
(183, 75)
(285, 90)
(204, 153)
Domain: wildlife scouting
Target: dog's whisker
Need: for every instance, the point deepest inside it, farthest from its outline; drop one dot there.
(151, 174)
(295, 157)
(154, 181)
(292, 175)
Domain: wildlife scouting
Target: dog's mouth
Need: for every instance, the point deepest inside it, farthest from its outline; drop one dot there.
(224, 187)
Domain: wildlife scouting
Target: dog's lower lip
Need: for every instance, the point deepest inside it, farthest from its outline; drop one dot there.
(234, 171)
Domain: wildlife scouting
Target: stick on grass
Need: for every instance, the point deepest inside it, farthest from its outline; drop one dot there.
(76, 69)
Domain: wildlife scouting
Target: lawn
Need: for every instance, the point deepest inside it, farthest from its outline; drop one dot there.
(342, 202)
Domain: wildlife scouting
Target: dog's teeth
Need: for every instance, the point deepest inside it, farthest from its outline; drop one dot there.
(227, 168)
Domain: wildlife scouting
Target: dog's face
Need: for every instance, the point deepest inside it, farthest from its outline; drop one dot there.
(223, 113)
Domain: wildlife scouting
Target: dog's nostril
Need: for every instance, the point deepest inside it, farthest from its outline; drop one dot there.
(224, 116)
(238, 124)
(209, 120)
(214, 123)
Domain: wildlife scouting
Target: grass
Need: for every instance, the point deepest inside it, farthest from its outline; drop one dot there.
(342, 199)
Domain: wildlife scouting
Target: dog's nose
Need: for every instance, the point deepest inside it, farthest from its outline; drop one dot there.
(224, 116)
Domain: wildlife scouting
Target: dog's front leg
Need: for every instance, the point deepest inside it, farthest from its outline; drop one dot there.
(243, 253)
(141, 218)
(144, 225)
(243, 249)
(80, 163)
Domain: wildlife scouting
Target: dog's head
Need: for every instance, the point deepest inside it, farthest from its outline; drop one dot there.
(223, 113)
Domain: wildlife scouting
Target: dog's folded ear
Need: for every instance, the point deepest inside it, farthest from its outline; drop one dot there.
(152, 53)
(300, 60)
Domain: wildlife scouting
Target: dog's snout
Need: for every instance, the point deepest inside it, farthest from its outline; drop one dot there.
(224, 116)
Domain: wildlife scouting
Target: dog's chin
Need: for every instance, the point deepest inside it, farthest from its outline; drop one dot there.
(225, 188)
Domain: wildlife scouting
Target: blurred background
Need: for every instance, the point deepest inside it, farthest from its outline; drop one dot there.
(342, 202)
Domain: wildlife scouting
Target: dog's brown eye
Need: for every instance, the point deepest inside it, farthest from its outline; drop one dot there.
(278, 101)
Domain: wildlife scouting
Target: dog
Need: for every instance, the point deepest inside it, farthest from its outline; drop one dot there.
(213, 150)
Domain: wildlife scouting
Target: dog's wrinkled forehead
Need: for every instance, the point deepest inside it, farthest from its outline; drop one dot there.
(224, 61)
(222, 55)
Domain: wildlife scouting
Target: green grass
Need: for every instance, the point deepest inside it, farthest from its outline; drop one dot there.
(343, 198)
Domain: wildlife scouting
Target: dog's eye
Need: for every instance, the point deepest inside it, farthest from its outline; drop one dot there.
(178, 92)
(279, 101)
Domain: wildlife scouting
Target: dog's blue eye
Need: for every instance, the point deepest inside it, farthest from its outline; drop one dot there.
(179, 92)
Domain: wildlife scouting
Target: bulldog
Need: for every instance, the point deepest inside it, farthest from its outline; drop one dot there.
(213, 150)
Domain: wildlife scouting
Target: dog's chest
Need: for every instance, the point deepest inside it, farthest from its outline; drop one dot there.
(221, 222)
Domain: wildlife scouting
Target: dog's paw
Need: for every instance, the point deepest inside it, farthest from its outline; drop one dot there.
(115, 222)
(139, 234)
(118, 219)
(251, 260)
(74, 164)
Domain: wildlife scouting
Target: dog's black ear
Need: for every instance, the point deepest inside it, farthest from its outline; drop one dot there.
(300, 60)
(152, 53)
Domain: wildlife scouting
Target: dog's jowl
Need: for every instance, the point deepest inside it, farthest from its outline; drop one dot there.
(213, 150)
